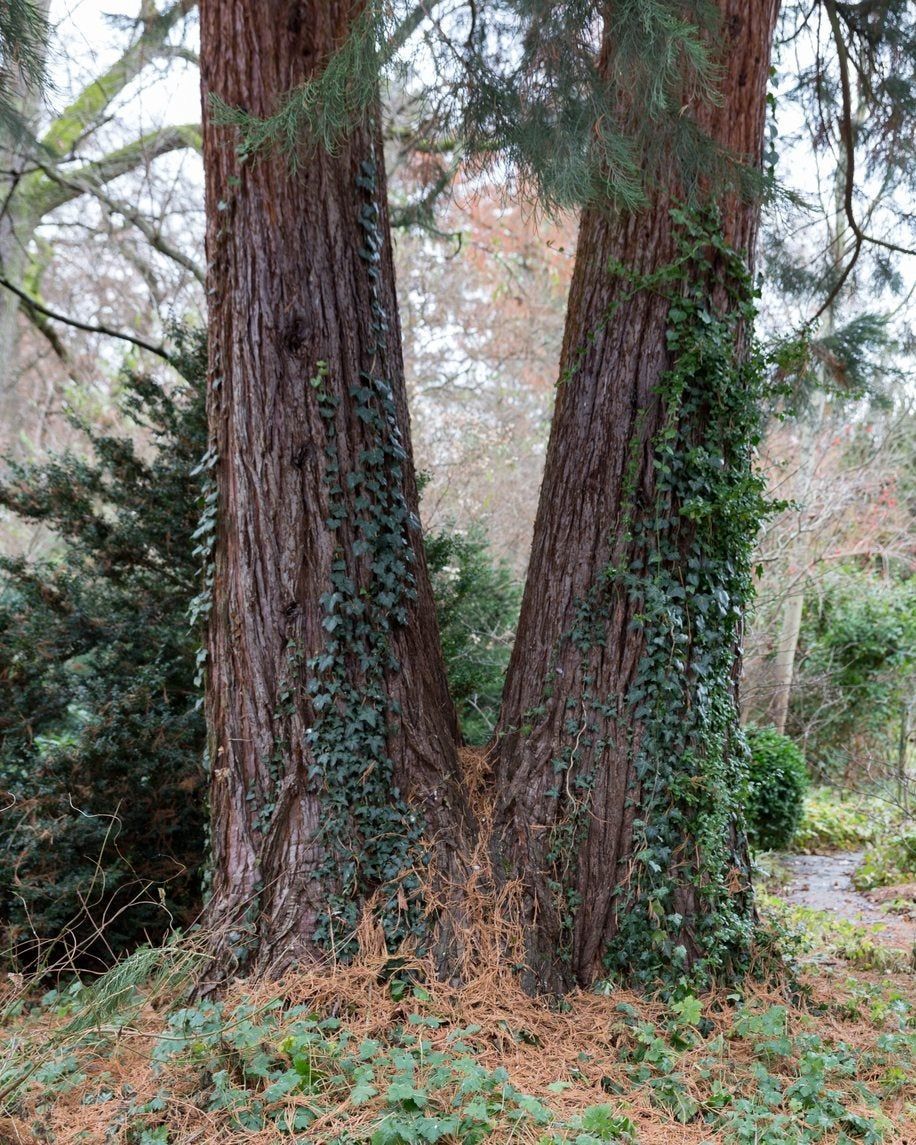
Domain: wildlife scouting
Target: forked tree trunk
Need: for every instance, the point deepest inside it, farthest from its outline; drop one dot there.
(332, 736)
(569, 778)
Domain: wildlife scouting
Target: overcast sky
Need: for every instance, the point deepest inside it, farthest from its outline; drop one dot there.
(87, 40)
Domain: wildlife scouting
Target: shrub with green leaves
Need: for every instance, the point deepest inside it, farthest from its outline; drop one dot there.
(777, 784)
(477, 600)
(101, 736)
(854, 672)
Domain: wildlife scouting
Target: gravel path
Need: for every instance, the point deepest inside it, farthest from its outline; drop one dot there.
(824, 882)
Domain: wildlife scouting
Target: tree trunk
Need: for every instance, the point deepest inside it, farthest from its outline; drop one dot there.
(792, 607)
(332, 736)
(615, 782)
(16, 232)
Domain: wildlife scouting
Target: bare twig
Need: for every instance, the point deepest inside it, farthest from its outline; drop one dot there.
(92, 328)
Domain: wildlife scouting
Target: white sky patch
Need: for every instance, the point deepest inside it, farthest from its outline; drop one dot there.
(90, 35)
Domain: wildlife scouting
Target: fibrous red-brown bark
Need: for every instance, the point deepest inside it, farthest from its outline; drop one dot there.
(299, 308)
(607, 414)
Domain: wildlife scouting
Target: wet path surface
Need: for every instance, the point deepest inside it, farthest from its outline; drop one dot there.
(824, 882)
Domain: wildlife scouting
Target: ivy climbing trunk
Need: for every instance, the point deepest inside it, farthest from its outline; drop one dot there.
(332, 739)
(617, 762)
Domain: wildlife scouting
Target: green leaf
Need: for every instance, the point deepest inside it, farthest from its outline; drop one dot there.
(362, 1092)
(689, 1010)
(406, 1093)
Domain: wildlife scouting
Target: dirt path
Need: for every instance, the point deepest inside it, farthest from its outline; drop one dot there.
(824, 882)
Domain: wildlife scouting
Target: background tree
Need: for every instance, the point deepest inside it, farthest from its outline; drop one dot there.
(856, 669)
(482, 302)
(477, 603)
(856, 516)
(65, 163)
(834, 265)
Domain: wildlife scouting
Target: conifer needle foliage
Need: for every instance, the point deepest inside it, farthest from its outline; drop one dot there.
(23, 38)
(101, 739)
(574, 103)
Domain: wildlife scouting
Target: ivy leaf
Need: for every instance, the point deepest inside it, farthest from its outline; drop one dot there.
(406, 1093)
(689, 1010)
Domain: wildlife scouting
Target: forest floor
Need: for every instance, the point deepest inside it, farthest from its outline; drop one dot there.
(359, 1055)
(819, 1048)
(824, 883)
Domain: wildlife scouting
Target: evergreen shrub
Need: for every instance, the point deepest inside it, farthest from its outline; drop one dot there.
(102, 810)
(777, 784)
(477, 602)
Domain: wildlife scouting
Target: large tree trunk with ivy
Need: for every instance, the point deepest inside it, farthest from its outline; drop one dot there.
(332, 736)
(618, 765)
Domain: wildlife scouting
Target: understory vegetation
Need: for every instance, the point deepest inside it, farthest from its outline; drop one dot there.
(103, 834)
(854, 676)
(837, 820)
(380, 1053)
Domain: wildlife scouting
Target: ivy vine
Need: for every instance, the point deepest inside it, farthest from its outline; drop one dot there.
(685, 911)
(691, 590)
(371, 836)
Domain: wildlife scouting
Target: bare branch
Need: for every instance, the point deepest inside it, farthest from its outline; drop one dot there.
(92, 328)
(848, 143)
(53, 188)
(87, 112)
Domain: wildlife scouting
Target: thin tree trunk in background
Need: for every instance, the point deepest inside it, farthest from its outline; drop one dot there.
(907, 706)
(793, 606)
(811, 424)
(332, 735)
(16, 232)
(567, 736)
